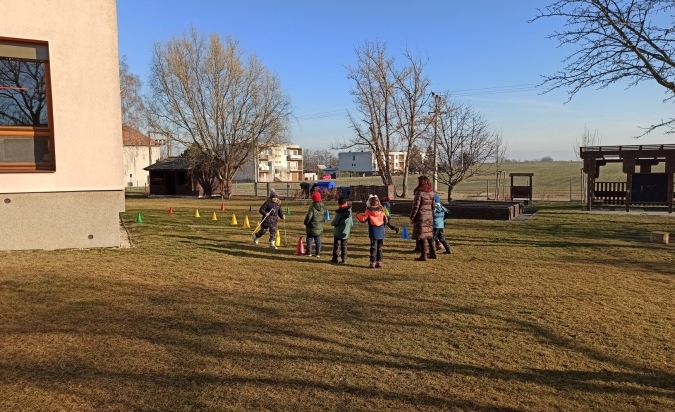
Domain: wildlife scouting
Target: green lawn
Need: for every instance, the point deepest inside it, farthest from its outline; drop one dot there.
(563, 311)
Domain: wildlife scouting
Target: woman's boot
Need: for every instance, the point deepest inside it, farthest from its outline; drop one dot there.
(422, 246)
(432, 249)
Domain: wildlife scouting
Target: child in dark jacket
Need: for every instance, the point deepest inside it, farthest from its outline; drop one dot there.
(270, 211)
(386, 206)
(377, 220)
(439, 225)
(342, 226)
(314, 219)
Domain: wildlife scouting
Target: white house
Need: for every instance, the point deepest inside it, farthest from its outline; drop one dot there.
(365, 163)
(61, 167)
(280, 163)
(140, 151)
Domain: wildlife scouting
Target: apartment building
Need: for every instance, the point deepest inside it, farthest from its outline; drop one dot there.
(279, 163)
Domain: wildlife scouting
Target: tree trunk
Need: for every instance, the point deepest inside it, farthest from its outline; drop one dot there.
(450, 187)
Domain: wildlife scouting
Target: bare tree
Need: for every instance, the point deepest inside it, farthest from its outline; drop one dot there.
(415, 160)
(313, 158)
(616, 40)
(587, 139)
(23, 97)
(410, 103)
(389, 105)
(205, 94)
(134, 113)
(465, 143)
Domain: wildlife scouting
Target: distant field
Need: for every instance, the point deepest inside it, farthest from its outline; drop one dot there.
(552, 181)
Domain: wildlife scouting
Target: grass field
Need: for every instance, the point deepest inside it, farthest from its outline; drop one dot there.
(563, 311)
(551, 181)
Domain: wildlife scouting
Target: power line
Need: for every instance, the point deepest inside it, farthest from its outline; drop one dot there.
(482, 91)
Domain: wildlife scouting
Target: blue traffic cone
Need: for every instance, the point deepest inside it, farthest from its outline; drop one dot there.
(404, 232)
(327, 215)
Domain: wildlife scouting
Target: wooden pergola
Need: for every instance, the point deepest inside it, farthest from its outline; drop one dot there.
(641, 187)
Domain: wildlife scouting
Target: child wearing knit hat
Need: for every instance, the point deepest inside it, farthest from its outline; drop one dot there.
(314, 220)
(271, 212)
(342, 225)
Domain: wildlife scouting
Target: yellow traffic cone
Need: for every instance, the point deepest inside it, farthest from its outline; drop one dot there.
(214, 217)
(246, 223)
(277, 240)
(234, 220)
(197, 213)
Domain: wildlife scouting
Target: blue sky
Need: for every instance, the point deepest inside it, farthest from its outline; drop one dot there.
(484, 52)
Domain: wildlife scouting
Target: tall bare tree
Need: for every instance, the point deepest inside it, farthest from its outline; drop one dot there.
(205, 94)
(616, 40)
(134, 113)
(466, 144)
(313, 158)
(389, 105)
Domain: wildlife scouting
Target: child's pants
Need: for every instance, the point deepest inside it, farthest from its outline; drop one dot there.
(317, 241)
(376, 250)
(263, 229)
(439, 239)
(341, 245)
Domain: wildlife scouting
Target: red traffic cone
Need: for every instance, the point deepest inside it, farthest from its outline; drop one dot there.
(300, 250)
(222, 207)
(171, 211)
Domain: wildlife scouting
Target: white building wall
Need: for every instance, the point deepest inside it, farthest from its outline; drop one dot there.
(360, 162)
(78, 204)
(135, 159)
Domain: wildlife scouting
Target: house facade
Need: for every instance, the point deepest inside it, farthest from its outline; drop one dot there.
(139, 152)
(61, 167)
(279, 163)
(364, 162)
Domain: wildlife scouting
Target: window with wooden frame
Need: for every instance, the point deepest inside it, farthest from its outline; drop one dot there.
(26, 126)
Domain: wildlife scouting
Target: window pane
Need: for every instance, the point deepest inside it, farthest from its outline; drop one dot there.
(23, 97)
(24, 149)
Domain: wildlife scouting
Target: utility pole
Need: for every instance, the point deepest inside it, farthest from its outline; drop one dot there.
(437, 99)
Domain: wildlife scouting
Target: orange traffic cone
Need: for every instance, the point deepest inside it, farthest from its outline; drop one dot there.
(222, 207)
(300, 250)
(171, 211)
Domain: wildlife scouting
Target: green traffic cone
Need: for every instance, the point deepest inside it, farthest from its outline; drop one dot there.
(288, 211)
(139, 219)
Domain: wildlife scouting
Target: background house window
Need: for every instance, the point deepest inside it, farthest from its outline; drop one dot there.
(26, 130)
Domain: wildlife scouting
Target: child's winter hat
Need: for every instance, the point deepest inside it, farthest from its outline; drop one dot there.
(316, 197)
(385, 199)
(273, 194)
(342, 202)
(437, 199)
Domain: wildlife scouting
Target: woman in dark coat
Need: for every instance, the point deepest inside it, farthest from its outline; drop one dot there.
(422, 217)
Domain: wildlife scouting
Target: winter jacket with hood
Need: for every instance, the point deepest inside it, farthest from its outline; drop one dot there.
(342, 223)
(273, 211)
(315, 218)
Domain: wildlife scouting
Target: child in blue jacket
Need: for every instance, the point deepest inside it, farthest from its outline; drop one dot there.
(439, 225)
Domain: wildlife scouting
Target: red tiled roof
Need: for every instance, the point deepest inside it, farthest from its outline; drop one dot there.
(132, 137)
